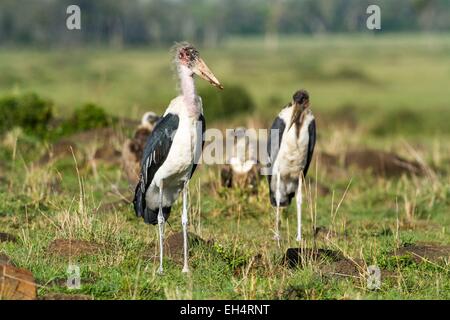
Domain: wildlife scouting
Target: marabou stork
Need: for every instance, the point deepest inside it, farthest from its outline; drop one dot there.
(293, 135)
(133, 148)
(173, 149)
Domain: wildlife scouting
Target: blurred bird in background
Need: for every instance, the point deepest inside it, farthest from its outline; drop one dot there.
(242, 170)
(133, 148)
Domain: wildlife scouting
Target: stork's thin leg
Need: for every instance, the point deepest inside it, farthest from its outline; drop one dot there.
(299, 209)
(184, 222)
(277, 216)
(161, 222)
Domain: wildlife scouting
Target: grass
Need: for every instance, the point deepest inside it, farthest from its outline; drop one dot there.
(371, 216)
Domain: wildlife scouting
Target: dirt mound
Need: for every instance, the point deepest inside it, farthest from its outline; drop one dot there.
(295, 257)
(104, 143)
(70, 248)
(62, 296)
(6, 237)
(111, 207)
(173, 246)
(325, 234)
(425, 252)
(5, 260)
(61, 149)
(16, 284)
(379, 163)
(345, 268)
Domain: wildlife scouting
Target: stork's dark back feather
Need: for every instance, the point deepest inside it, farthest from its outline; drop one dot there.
(155, 153)
(311, 145)
(202, 123)
(277, 130)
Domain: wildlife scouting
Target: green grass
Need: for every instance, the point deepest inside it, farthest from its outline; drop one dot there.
(381, 79)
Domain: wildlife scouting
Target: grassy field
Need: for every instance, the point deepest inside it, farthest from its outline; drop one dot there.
(382, 93)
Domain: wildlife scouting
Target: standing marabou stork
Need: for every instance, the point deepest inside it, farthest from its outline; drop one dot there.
(133, 148)
(174, 148)
(293, 135)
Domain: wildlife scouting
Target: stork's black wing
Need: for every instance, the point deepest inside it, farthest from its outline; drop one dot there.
(276, 132)
(311, 144)
(201, 122)
(155, 153)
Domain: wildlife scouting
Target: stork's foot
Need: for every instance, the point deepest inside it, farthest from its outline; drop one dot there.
(185, 269)
(299, 238)
(160, 271)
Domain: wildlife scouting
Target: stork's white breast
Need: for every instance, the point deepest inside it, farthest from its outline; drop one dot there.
(185, 144)
(293, 152)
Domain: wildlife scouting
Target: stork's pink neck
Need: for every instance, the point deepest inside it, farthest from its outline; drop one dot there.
(188, 90)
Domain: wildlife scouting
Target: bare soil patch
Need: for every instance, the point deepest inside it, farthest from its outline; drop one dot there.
(5, 260)
(6, 237)
(16, 284)
(105, 144)
(379, 163)
(435, 253)
(112, 207)
(345, 268)
(295, 257)
(70, 248)
(325, 234)
(62, 296)
(173, 246)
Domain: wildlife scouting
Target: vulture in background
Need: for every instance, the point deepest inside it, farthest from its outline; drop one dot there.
(133, 148)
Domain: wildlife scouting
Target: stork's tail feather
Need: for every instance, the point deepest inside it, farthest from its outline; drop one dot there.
(285, 200)
(140, 207)
(139, 200)
(151, 216)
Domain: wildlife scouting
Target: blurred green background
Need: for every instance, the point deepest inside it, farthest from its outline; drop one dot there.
(261, 50)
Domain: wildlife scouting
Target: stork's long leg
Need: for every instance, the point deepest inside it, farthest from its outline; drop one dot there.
(277, 216)
(161, 222)
(299, 209)
(184, 222)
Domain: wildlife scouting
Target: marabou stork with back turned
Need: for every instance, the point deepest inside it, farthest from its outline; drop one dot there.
(290, 147)
(174, 148)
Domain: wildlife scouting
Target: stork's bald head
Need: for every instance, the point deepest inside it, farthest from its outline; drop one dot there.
(301, 97)
(188, 56)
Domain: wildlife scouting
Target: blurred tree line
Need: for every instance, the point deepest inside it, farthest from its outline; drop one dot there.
(142, 22)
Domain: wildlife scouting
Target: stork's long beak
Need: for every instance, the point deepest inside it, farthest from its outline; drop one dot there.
(297, 112)
(201, 69)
